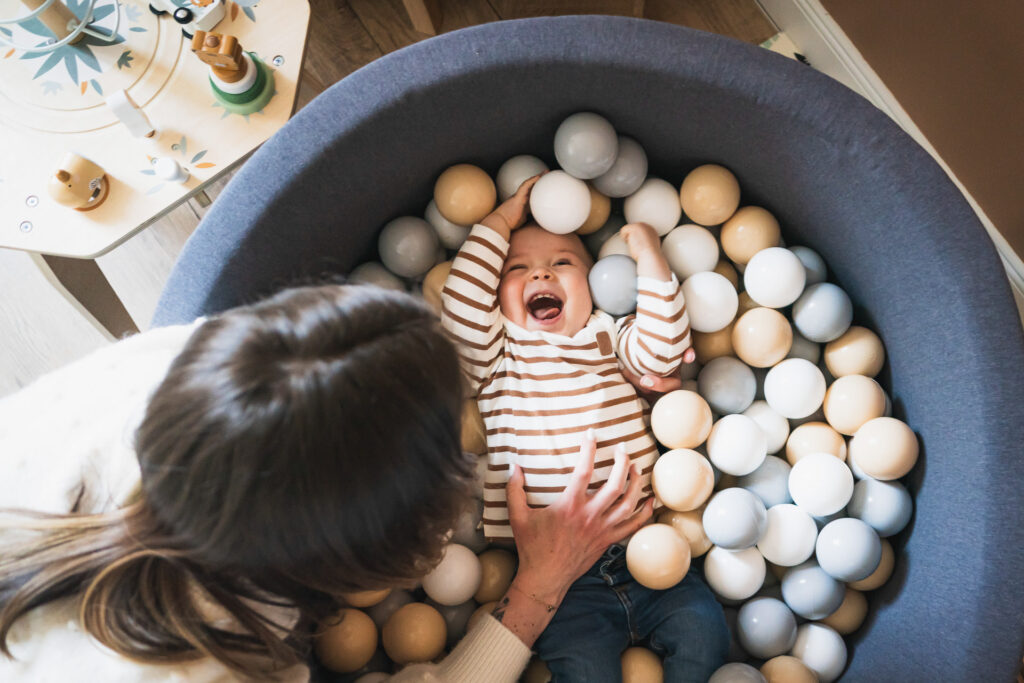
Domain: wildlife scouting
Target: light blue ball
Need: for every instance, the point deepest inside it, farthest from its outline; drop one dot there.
(769, 482)
(823, 312)
(613, 284)
(766, 627)
(734, 519)
(736, 672)
(727, 384)
(814, 265)
(810, 592)
(884, 505)
(848, 549)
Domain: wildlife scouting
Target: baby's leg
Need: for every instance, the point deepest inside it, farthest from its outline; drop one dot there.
(687, 626)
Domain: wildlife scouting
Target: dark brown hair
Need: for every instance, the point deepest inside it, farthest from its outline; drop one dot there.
(298, 448)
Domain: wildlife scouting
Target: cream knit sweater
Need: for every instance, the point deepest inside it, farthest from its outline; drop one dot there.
(68, 437)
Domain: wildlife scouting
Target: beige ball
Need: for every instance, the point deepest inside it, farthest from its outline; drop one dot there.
(474, 433)
(814, 437)
(709, 194)
(456, 578)
(690, 526)
(415, 633)
(640, 665)
(762, 337)
(746, 304)
(600, 209)
(681, 419)
(858, 351)
(711, 345)
(464, 194)
(884, 448)
(347, 642)
(725, 269)
(658, 557)
(480, 612)
(787, 669)
(365, 598)
(750, 230)
(881, 574)
(536, 672)
(499, 567)
(851, 401)
(683, 479)
(433, 283)
(850, 615)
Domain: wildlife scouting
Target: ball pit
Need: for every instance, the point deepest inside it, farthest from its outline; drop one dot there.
(855, 190)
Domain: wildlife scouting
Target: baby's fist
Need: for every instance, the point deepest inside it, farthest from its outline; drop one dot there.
(641, 239)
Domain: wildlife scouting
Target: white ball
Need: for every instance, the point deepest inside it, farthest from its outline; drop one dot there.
(560, 203)
(885, 506)
(452, 235)
(586, 145)
(823, 312)
(627, 173)
(769, 482)
(734, 519)
(737, 445)
(408, 246)
(822, 649)
(811, 592)
(616, 244)
(728, 385)
(734, 574)
(711, 301)
(774, 277)
(794, 388)
(789, 535)
(515, 171)
(802, 347)
(821, 484)
(814, 265)
(374, 273)
(736, 672)
(766, 627)
(848, 549)
(457, 578)
(690, 249)
(655, 203)
(774, 426)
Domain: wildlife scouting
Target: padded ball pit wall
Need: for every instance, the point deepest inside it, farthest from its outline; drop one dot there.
(842, 179)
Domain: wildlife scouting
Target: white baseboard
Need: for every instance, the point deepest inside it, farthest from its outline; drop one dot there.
(830, 50)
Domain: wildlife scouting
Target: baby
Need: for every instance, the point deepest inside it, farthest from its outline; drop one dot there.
(546, 368)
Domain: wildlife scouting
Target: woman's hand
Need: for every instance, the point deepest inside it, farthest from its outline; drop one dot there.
(511, 213)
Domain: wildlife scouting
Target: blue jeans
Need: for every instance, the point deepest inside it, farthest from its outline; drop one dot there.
(606, 611)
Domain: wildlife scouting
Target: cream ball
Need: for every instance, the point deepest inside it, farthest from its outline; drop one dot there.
(851, 401)
(657, 557)
(498, 567)
(747, 232)
(414, 633)
(347, 641)
(762, 337)
(682, 479)
(858, 351)
(640, 665)
(690, 526)
(464, 194)
(814, 437)
(884, 448)
(681, 419)
(710, 194)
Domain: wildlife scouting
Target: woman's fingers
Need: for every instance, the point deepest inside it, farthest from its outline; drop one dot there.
(612, 489)
(580, 478)
(631, 525)
(626, 505)
(516, 497)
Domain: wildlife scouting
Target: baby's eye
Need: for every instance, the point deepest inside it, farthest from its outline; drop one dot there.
(517, 266)
(563, 262)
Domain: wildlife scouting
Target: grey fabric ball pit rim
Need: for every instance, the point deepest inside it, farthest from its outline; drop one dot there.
(896, 233)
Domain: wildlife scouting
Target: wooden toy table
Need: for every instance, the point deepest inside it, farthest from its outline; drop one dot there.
(54, 103)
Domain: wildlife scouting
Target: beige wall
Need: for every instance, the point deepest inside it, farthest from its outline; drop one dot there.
(957, 68)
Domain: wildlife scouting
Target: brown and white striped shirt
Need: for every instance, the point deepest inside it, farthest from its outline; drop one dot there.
(539, 392)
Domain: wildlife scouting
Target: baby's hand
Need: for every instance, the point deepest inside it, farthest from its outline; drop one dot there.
(511, 213)
(641, 238)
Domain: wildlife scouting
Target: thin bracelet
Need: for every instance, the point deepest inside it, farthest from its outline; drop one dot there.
(549, 607)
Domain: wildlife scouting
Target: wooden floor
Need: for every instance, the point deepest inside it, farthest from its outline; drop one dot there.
(40, 331)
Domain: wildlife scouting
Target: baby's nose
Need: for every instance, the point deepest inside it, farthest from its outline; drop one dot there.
(541, 274)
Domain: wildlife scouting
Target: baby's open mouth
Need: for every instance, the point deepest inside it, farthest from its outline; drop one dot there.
(544, 306)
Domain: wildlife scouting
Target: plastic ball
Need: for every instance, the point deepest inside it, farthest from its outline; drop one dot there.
(450, 234)
(657, 557)
(690, 249)
(848, 549)
(774, 277)
(681, 419)
(820, 484)
(655, 203)
(850, 615)
(774, 426)
(769, 482)
(762, 337)
(711, 301)
(725, 269)
(498, 567)
(536, 672)
(515, 172)
(858, 351)
(736, 672)
(474, 433)
(814, 437)
(374, 273)
(348, 641)
(468, 530)
(595, 240)
(884, 448)
(456, 578)
(368, 598)
(734, 519)
(711, 345)
(787, 669)
(600, 209)
(627, 173)
(789, 536)
(851, 401)
(823, 312)
(822, 650)
(456, 617)
(586, 145)
(640, 665)
(408, 246)
(415, 633)
(810, 592)
(464, 194)
(613, 284)
(433, 283)
(794, 388)
(766, 627)
(885, 506)
(690, 526)
(559, 202)
(881, 574)
(682, 479)
(737, 445)
(747, 232)
(382, 611)
(616, 244)
(802, 347)
(734, 574)
(814, 265)
(710, 194)
(728, 385)
(481, 611)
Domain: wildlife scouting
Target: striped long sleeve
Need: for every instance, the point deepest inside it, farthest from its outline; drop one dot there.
(653, 340)
(469, 303)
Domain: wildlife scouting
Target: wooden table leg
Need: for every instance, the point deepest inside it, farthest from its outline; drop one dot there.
(85, 286)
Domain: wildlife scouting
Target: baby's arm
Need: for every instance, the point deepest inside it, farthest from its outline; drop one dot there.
(657, 339)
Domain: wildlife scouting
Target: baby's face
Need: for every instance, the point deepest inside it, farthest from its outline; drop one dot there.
(544, 282)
